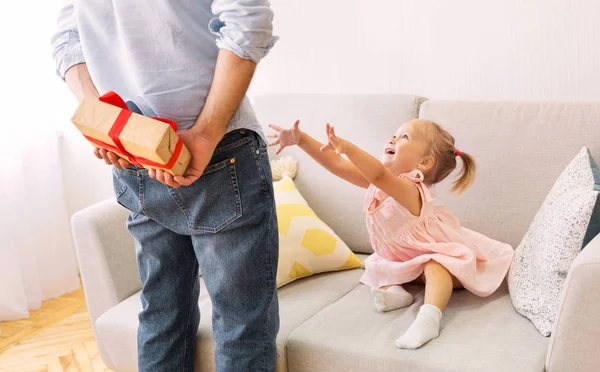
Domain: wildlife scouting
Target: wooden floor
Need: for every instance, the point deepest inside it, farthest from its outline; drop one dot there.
(56, 338)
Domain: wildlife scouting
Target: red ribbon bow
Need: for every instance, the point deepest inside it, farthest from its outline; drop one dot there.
(113, 98)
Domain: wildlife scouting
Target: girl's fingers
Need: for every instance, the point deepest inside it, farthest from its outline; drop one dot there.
(275, 127)
(274, 143)
(326, 147)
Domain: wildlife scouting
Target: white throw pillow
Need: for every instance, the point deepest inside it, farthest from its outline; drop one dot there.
(567, 220)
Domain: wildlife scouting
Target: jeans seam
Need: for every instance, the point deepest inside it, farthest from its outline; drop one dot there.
(141, 194)
(256, 150)
(232, 145)
(270, 284)
(128, 170)
(187, 323)
(177, 201)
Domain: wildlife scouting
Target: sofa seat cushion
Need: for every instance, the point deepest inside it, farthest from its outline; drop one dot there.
(298, 302)
(478, 334)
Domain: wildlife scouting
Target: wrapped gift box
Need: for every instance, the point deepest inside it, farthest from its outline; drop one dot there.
(143, 141)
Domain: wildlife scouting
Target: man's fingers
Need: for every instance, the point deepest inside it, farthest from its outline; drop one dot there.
(114, 159)
(152, 173)
(104, 154)
(160, 175)
(185, 180)
(97, 152)
(124, 163)
(182, 180)
(169, 180)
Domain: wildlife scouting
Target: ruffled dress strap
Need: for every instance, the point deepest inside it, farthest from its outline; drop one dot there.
(416, 176)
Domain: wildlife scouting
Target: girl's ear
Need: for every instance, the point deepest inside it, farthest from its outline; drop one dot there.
(427, 163)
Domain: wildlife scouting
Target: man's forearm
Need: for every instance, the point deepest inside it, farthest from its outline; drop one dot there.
(230, 83)
(80, 82)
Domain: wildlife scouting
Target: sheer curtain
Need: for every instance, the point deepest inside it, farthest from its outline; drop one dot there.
(37, 259)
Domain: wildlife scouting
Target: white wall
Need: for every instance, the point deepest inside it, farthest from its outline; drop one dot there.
(440, 49)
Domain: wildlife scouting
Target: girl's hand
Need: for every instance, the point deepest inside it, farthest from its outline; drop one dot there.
(335, 143)
(285, 137)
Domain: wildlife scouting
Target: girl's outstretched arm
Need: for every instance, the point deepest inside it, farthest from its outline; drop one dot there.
(331, 161)
(403, 190)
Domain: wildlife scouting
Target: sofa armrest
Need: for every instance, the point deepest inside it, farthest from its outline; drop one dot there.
(106, 255)
(574, 343)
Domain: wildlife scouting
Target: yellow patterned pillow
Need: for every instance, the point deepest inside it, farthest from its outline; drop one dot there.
(307, 245)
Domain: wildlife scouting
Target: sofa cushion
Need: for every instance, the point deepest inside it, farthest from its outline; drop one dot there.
(298, 302)
(565, 223)
(367, 120)
(520, 150)
(478, 334)
(307, 246)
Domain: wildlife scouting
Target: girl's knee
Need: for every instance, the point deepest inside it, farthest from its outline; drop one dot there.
(434, 268)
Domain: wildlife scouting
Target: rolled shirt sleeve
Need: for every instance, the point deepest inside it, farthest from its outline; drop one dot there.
(244, 27)
(66, 46)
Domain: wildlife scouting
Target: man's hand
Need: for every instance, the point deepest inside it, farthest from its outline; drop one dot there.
(111, 158)
(201, 149)
(285, 137)
(335, 143)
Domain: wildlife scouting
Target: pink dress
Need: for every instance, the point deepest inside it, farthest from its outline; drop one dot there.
(403, 243)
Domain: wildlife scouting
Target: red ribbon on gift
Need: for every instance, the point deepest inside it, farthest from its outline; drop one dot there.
(114, 99)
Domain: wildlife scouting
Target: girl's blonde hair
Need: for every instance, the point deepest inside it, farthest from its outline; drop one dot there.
(441, 147)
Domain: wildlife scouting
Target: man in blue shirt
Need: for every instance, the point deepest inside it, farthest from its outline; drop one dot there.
(191, 62)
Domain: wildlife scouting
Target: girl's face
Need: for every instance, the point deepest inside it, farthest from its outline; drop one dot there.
(406, 151)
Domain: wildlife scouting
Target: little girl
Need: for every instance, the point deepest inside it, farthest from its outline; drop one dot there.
(413, 239)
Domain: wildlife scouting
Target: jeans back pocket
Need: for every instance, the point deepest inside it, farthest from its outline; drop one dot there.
(126, 186)
(213, 202)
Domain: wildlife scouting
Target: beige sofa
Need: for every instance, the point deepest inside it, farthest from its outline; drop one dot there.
(328, 321)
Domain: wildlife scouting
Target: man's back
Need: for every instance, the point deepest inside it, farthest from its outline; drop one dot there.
(159, 54)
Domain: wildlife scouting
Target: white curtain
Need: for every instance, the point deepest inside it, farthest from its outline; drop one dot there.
(37, 259)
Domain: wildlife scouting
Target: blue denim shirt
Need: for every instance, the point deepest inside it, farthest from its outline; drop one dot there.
(161, 54)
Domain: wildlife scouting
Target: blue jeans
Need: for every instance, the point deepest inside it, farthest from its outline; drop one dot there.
(225, 224)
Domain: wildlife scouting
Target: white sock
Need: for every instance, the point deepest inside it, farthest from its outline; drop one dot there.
(425, 328)
(392, 298)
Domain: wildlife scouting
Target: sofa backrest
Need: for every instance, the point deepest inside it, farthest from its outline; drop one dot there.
(367, 120)
(520, 150)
